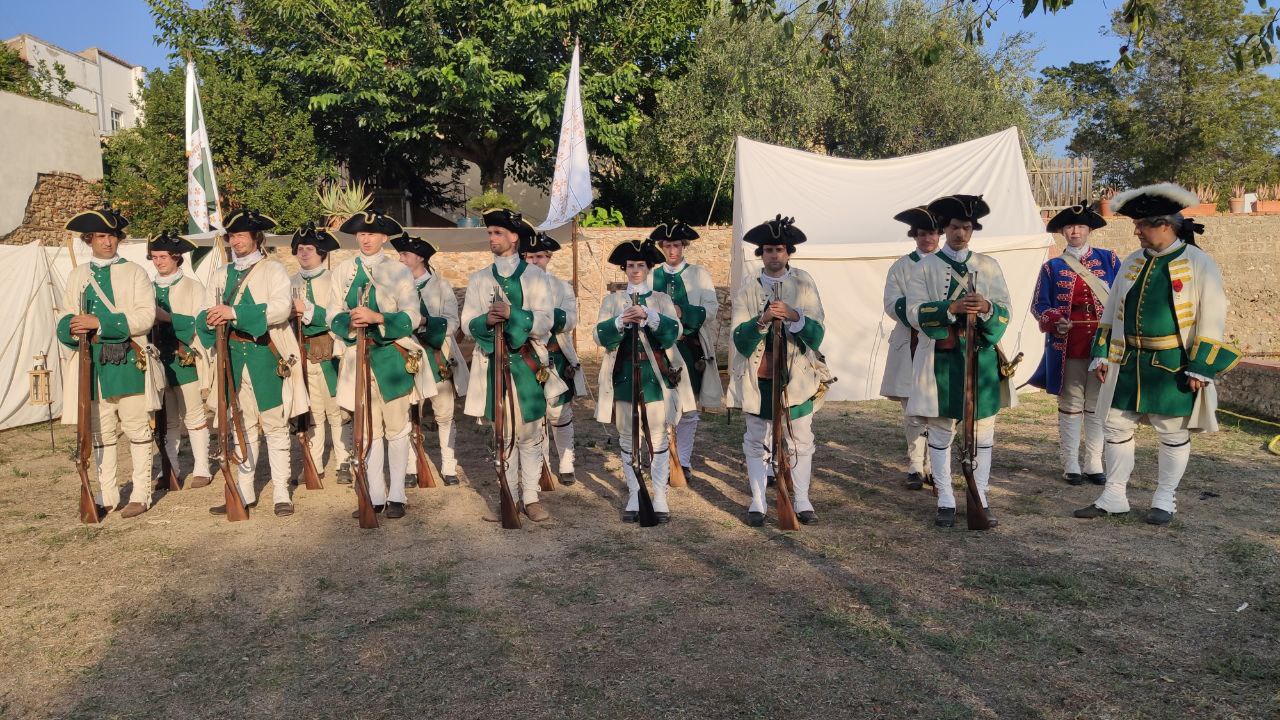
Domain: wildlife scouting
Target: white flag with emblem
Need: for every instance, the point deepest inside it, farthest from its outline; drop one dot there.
(571, 184)
(202, 185)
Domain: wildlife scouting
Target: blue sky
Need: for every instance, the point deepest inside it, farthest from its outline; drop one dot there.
(125, 28)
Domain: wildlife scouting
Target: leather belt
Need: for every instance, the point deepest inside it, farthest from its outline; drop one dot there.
(240, 336)
(1147, 342)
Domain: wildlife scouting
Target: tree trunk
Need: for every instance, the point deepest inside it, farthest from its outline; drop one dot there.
(493, 173)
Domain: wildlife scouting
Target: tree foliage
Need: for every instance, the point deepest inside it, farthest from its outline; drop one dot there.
(1184, 112)
(41, 82)
(264, 152)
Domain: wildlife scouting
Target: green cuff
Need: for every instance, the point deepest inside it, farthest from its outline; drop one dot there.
(433, 334)
(1211, 357)
(251, 319)
(900, 311)
(114, 327)
(184, 327)
(519, 325)
(206, 334)
(811, 334)
(64, 333)
(341, 327)
(692, 317)
(994, 327)
(608, 334)
(666, 333)
(933, 319)
(1101, 342)
(395, 325)
(746, 337)
(482, 333)
(558, 321)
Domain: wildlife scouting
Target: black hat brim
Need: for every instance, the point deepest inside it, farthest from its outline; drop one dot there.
(674, 231)
(174, 244)
(97, 221)
(635, 250)
(971, 208)
(918, 218)
(372, 223)
(421, 248)
(1075, 215)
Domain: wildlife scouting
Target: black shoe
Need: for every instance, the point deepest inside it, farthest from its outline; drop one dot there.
(1156, 516)
(688, 471)
(755, 519)
(771, 481)
(567, 478)
(1073, 478)
(928, 479)
(395, 510)
(991, 517)
(410, 480)
(663, 517)
(284, 509)
(377, 510)
(450, 479)
(946, 517)
(343, 474)
(807, 517)
(1096, 478)
(629, 515)
(915, 481)
(1093, 511)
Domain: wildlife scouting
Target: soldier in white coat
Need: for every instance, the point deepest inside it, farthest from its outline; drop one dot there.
(252, 298)
(517, 294)
(437, 333)
(375, 292)
(903, 340)
(312, 288)
(689, 286)
(179, 298)
(664, 383)
(937, 303)
(789, 294)
(112, 300)
(564, 358)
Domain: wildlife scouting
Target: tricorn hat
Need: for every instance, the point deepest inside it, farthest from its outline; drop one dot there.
(538, 242)
(372, 221)
(308, 234)
(1079, 214)
(103, 220)
(1153, 201)
(405, 243)
(170, 242)
(674, 230)
(960, 207)
(509, 219)
(918, 218)
(635, 250)
(778, 231)
(246, 220)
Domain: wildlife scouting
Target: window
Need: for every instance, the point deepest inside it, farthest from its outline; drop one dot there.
(117, 120)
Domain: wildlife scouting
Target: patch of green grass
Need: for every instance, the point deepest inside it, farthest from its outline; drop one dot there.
(325, 584)
(1056, 587)
(1247, 556)
(437, 605)
(1236, 664)
(860, 633)
(992, 628)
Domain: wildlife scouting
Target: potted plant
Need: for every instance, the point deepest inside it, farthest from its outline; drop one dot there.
(1268, 200)
(487, 200)
(1236, 203)
(1208, 202)
(1104, 202)
(340, 202)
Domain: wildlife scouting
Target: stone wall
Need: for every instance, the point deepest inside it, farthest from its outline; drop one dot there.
(56, 197)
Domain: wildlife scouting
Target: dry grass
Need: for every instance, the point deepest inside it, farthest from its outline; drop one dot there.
(872, 613)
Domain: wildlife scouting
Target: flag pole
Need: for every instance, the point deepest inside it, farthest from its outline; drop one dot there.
(573, 238)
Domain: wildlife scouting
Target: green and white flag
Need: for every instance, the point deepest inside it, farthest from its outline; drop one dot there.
(202, 186)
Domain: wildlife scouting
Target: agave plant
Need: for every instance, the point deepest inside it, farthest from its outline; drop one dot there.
(341, 202)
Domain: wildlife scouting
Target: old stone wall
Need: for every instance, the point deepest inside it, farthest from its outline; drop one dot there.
(56, 197)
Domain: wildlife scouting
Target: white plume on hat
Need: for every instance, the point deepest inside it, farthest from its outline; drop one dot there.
(1172, 191)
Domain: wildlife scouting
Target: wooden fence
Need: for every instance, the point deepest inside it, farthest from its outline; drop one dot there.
(1061, 182)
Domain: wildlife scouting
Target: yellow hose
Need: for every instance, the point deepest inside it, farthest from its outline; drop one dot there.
(1274, 446)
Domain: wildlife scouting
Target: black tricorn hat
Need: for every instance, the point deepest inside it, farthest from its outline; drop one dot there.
(372, 221)
(960, 207)
(308, 234)
(102, 220)
(246, 220)
(509, 219)
(674, 230)
(538, 242)
(918, 218)
(404, 243)
(635, 250)
(170, 242)
(1079, 214)
(1153, 201)
(778, 231)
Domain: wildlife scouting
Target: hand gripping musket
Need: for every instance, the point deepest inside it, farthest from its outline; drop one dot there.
(646, 516)
(787, 519)
(304, 422)
(168, 474)
(234, 451)
(975, 513)
(84, 439)
(502, 395)
(362, 424)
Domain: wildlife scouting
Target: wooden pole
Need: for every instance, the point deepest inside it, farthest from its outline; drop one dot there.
(573, 239)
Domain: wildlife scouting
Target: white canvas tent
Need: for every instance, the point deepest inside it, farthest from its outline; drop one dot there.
(846, 208)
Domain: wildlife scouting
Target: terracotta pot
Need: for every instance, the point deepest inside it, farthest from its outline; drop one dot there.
(1236, 205)
(1201, 210)
(1267, 207)
(1104, 208)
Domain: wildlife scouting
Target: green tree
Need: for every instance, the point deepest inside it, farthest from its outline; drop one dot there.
(264, 152)
(1184, 112)
(451, 79)
(41, 82)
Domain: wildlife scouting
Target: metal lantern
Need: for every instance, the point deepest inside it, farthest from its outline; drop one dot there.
(39, 393)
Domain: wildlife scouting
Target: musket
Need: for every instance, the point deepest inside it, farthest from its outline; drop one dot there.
(84, 442)
(975, 513)
(546, 481)
(646, 516)
(787, 519)
(168, 474)
(507, 511)
(362, 425)
(304, 422)
(677, 478)
(234, 451)
(426, 471)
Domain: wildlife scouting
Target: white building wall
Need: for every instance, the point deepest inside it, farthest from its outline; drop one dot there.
(37, 137)
(103, 82)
